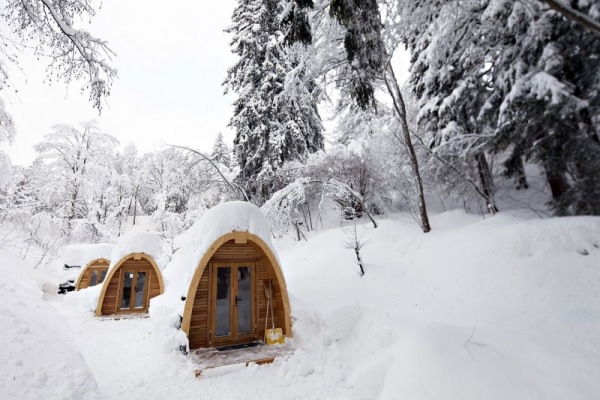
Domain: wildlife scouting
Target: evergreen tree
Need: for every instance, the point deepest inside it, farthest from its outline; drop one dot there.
(221, 153)
(513, 79)
(275, 117)
(364, 46)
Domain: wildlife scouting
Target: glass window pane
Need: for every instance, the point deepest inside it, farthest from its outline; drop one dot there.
(140, 290)
(102, 275)
(223, 301)
(244, 301)
(126, 297)
(93, 277)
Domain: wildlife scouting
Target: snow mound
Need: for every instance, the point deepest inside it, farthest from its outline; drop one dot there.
(216, 222)
(495, 308)
(148, 243)
(38, 359)
(82, 254)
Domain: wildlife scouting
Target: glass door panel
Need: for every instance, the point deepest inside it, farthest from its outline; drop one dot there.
(126, 293)
(223, 302)
(244, 300)
(140, 290)
(232, 303)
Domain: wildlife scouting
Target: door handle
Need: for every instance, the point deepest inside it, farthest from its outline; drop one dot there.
(236, 300)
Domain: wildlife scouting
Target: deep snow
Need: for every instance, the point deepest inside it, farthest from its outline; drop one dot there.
(506, 307)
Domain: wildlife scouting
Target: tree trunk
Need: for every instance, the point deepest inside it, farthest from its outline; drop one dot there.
(558, 185)
(485, 177)
(519, 176)
(394, 89)
(135, 201)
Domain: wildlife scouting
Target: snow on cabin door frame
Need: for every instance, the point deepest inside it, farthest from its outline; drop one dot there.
(232, 310)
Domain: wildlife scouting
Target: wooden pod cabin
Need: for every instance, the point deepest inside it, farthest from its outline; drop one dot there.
(130, 285)
(92, 274)
(226, 302)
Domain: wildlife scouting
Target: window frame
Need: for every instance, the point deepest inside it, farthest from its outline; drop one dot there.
(146, 301)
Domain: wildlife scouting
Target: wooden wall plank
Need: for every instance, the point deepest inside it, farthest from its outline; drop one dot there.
(199, 321)
(109, 306)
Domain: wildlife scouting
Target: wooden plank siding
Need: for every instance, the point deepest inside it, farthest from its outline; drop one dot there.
(199, 331)
(109, 306)
(85, 279)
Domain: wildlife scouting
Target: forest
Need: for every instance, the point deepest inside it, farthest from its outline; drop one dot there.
(500, 94)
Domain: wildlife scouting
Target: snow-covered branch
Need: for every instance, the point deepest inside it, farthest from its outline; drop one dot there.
(74, 53)
(282, 208)
(573, 14)
(235, 187)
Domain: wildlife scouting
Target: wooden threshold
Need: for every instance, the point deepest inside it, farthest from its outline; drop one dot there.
(261, 361)
(227, 361)
(116, 317)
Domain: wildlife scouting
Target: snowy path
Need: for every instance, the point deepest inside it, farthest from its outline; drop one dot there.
(121, 355)
(128, 364)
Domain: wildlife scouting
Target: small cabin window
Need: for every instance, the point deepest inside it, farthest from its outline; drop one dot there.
(93, 277)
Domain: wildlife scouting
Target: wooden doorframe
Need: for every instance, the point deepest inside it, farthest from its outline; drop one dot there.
(133, 283)
(233, 338)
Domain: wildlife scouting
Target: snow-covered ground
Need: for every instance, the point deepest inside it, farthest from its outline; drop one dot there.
(506, 307)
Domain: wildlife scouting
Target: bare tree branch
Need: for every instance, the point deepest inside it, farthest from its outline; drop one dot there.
(232, 185)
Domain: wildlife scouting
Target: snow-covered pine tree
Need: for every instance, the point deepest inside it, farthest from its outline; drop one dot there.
(550, 110)
(221, 153)
(295, 21)
(275, 117)
(450, 81)
(519, 80)
(364, 47)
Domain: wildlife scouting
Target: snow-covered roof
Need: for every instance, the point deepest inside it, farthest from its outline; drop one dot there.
(148, 243)
(82, 254)
(215, 223)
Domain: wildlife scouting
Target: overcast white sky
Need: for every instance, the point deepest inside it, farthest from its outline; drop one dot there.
(171, 60)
